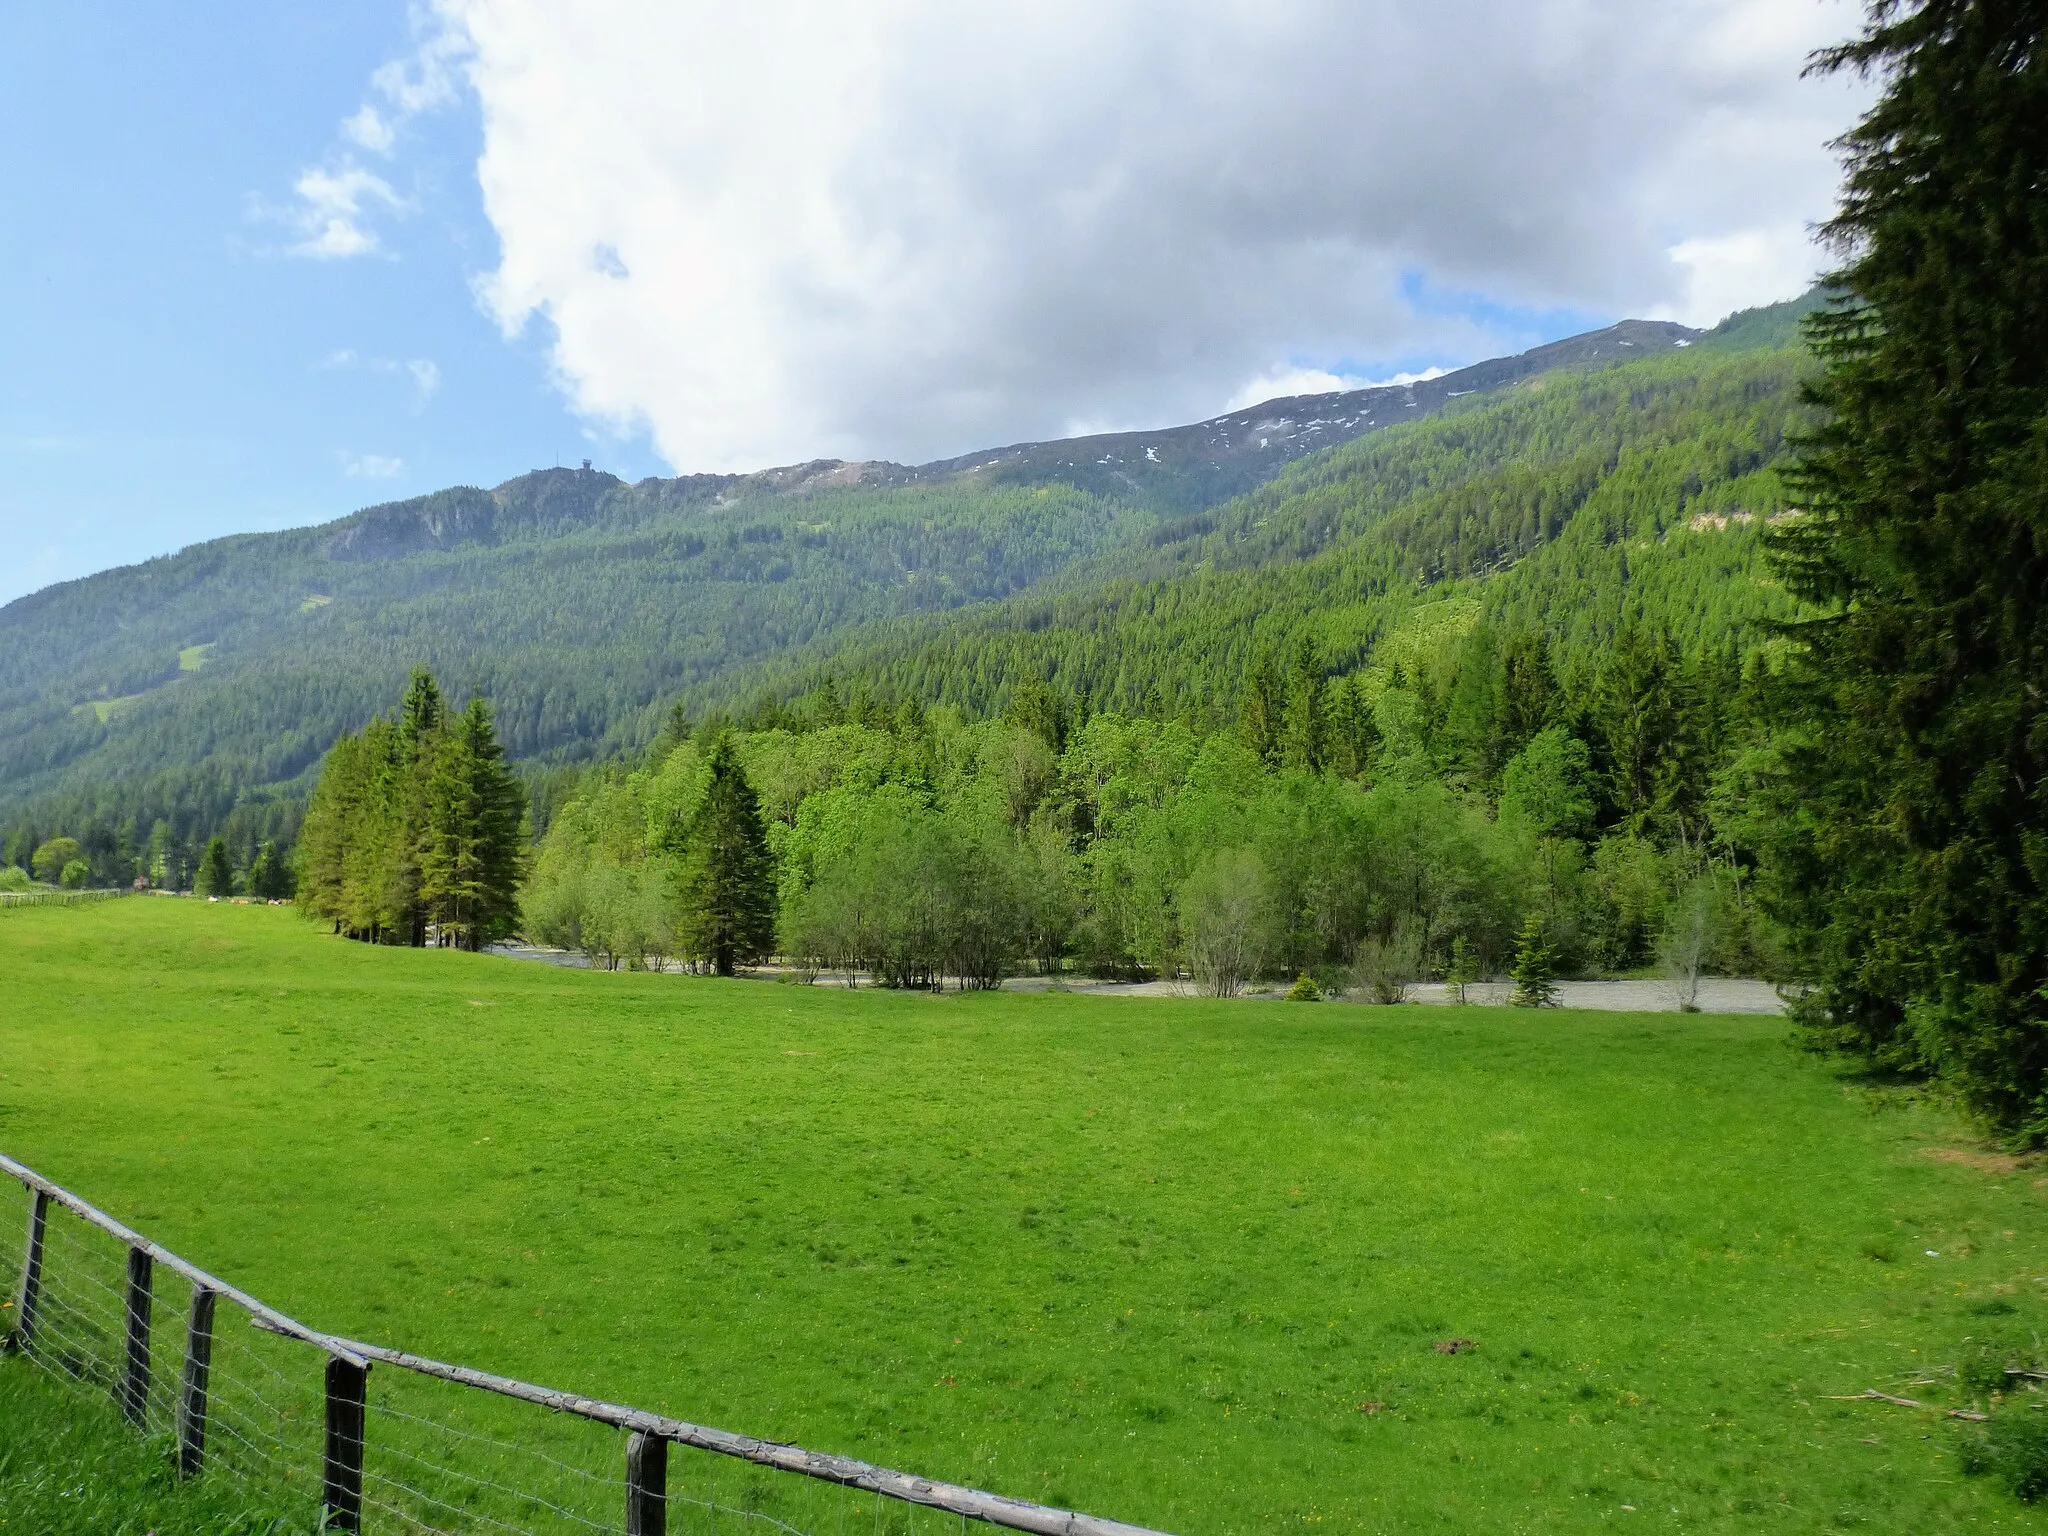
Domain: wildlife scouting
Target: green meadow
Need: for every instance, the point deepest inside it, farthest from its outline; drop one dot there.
(1181, 1263)
(68, 1463)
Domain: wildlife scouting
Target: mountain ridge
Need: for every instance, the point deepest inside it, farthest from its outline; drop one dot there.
(1210, 460)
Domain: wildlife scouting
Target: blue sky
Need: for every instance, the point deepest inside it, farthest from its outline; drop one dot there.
(169, 375)
(257, 274)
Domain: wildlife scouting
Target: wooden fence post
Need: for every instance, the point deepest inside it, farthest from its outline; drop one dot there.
(135, 1379)
(342, 1480)
(646, 1485)
(31, 1271)
(192, 1391)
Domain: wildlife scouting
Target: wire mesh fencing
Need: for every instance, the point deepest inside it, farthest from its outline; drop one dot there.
(88, 1321)
(440, 1457)
(237, 1390)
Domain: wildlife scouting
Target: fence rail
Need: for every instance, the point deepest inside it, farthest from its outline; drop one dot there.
(55, 1325)
(59, 898)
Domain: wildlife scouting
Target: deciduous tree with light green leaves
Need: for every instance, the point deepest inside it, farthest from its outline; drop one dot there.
(49, 859)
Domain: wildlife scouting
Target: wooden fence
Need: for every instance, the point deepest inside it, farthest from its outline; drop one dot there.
(344, 1400)
(59, 898)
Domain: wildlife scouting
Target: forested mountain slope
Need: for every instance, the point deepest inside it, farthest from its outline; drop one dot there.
(1572, 504)
(189, 685)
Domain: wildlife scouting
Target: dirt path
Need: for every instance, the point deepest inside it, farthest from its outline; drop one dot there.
(1718, 994)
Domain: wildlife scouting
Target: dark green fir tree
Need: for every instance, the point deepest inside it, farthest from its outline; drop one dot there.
(1261, 714)
(1305, 723)
(416, 823)
(727, 876)
(216, 872)
(270, 877)
(472, 852)
(1911, 826)
(1037, 707)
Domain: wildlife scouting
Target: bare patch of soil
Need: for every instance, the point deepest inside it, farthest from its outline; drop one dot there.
(1983, 1162)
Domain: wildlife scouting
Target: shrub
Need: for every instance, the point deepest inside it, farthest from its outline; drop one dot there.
(1304, 990)
(1386, 965)
(1461, 972)
(75, 874)
(2013, 1447)
(1982, 1369)
(1225, 910)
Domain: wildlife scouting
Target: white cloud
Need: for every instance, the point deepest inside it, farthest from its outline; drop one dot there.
(913, 227)
(371, 466)
(1400, 378)
(338, 200)
(370, 129)
(427, 79)
(334, 210)
(426, 377)
(1729, 272)
(1282, 382)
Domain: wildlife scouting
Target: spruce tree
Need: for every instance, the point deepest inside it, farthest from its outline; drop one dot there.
(415, 748)
(726, 876)
(216, 873)
(470, 858)
(1528, 690)
(1036, 707)
(1260, 717)
(1911, 859)
(1305, 723)
(1473, 711)
(413, 822)
(1535, 967)
(1461, 972)
(1354, 732)
(1637, 706)
(263, 873)
(421, 711)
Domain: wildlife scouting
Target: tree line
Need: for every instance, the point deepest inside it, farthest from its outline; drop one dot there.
(415, 831)
(162, 834)
(1406, 818)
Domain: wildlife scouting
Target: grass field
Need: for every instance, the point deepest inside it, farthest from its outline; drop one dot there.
(1144, 1258)
(70, 1464)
